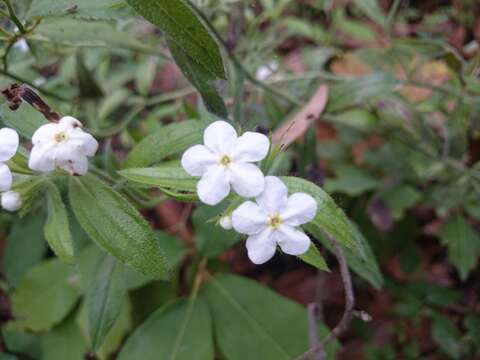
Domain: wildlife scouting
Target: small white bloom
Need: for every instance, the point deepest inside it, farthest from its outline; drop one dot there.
(8, 147)
(272, 221)
(21, 45)
(266, 71)
(11, 201)
(224, 161)
(226, 222)
(62, 145)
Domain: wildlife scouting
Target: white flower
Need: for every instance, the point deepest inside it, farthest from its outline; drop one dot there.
(62, 145)
(226, 222)
(21, 45)
(266, 71)
(273, 220)
(8, 147)
(11, 201)
(224, 161)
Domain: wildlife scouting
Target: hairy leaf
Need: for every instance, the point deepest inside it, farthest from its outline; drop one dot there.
(181, 24)
(57, 229)
(116, 226)
(166, 141)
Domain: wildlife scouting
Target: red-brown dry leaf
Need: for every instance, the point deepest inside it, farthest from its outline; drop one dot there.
(325, 131)
(296, 127)
(349, 65)
(358, 149)
(298, 285)
(167, 79)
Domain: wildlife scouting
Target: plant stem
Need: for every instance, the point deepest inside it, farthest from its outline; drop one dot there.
(240, 66)
(30, 84)
(14, 17)
(318, 351)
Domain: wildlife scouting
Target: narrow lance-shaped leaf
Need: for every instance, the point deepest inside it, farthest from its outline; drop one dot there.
(168, 140)
(200, 78)
(105, 299)
(116, 226)
(57, 228)
(180, 23)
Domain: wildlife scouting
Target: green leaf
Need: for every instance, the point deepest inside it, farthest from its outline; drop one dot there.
(351, 181)
(446, 336)
(65, 341)
(25, 247)
(314, 258)
(372, 10)
(201, 79)
(166, 176)
(44, 296)
(349, 93)
(91, 9)
(116, 226)
(463, 244)
(211, 238)
(400, 198)
(253, 322)
(179, 22)
(105, 299)
(87, 84)
(25, 119)
(57, 229)
(94, 34)
(178, 331)
(166, 141)
(331, 219)
(366, 267)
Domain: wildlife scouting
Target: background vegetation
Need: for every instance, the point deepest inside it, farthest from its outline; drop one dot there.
(385, 101)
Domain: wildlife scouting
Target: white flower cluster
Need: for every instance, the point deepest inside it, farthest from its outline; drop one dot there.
(61, 145)
(225, 161)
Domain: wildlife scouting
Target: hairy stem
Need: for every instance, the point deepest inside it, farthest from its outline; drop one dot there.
(14, 17)
(318, 351)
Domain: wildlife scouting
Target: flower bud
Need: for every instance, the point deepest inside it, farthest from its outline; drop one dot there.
(11, 201)
(226, 222)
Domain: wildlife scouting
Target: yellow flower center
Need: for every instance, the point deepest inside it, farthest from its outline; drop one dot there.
(274, 221)
(60, 137)
(225, 160)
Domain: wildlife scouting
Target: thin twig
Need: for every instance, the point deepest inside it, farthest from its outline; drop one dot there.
(16, 94)
(313, 327)
(349, 304)
(14, 17)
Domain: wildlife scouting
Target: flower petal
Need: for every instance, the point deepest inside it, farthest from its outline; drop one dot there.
(251, 147)
(292, 241)
(301, 208)
(5, 178)
(249, 218)
(197, 159)
(220, 137)
(8, 143)
(44, 134)
(68, 122)
(247, 179)
(213, 187)
(41, 159)
(261, 247)
(82, 141)
(11, 201)
(69, 159)
(275, 196)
